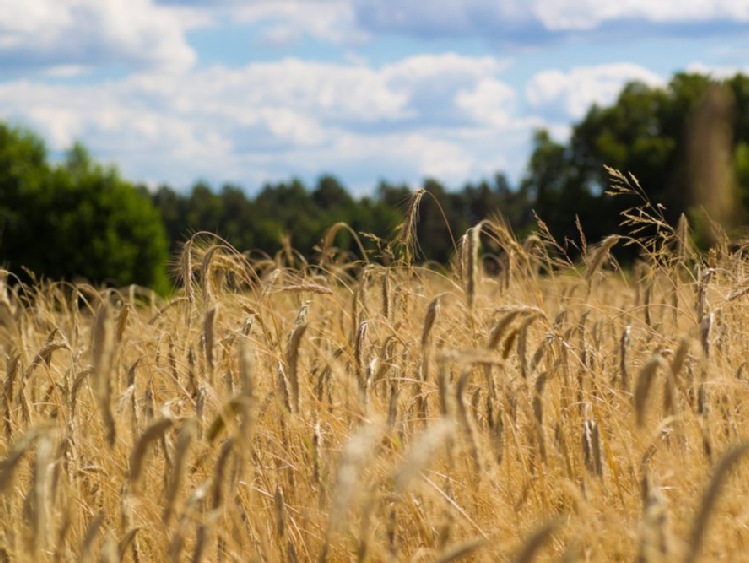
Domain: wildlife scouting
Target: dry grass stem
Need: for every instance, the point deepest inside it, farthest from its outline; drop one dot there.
(348, 410)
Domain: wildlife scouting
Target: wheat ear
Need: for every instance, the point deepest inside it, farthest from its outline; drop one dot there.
(727, 462)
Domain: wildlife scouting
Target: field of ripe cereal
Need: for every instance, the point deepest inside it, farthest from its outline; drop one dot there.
(277, 410)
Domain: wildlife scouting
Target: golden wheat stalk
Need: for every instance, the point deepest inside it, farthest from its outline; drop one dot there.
(155, 431)
(209, 340)
(472, 266)
(598, 258)
(184, 439)
(102, 349)
(357, 451)
(644, 384)
(292, 361)
(710, 497)
(423, 451)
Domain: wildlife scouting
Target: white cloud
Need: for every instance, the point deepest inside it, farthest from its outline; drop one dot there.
(537, 21)
(443, 115)
(457, 16)
(588, 14)
(489, 100)
(75, 33)
(570, 94)
(718, 72)
(287, 22)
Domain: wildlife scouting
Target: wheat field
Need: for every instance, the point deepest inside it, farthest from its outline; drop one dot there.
(280, 410)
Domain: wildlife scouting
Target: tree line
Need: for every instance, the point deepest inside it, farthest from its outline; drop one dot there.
(78, 218)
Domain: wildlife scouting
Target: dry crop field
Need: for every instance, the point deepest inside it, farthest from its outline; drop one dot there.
(274, 409)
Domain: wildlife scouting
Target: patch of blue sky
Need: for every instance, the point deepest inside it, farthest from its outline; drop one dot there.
(238, 44)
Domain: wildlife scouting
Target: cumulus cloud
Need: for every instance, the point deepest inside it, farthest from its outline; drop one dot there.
(568, 95)
(509, 20)
(286, 23)
(423, 115)
(587, 14)
(718, 72)
(538, 21)
(84, 33)
(488, 100)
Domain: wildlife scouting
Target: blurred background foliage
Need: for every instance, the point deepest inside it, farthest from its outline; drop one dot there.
(78, 218)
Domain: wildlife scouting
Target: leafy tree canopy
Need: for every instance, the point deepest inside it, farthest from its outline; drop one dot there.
(75, 219)
(648, 131)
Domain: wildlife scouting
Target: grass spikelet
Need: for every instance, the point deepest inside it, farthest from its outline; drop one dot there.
(279, 504)
(672, 384)
(623, 348)
(387, 305)
(592, 453)
(498, 330)
(206, 274)
(644, 383)
(536, 541)
(11, 372)
(392, 408)
(498, 437)
(186, 271)
(14, 456)
(599, 257)
(184, 439)
(465, 421)
(247, 391)
(465, 549)
(329, 238)
(43, 356)
(654, 540)
(429, 319)
(306, 287)
(357, 451)
(472, 266)
(461, 262)
(218, 482)
(122, 321)
(391, 532)
(128, 540)
(102, 349)
(710, 497)
(155, 431)
(680, 356)
(538, 411)
(523, 344)
(421, 453)
(108, 553)
(292, 361)
(706, 327)
(284, 386)
(209, 329)
(682, 240)
(361, 334)
(232, 407)
(201, 398)
(470, 356)
(91, 532)
(39, 526)
(442, 387)
(302, 313)
(407, 237)
(704, 282)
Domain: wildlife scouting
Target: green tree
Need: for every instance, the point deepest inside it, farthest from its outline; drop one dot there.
(645, 132)
(75, 220)
(559, 191)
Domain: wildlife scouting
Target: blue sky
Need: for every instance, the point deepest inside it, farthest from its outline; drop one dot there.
(247, 92)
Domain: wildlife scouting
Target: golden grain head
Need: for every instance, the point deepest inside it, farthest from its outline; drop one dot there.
(336, 411)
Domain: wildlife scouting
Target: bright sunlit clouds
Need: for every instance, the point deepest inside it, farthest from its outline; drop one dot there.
(247, 92)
